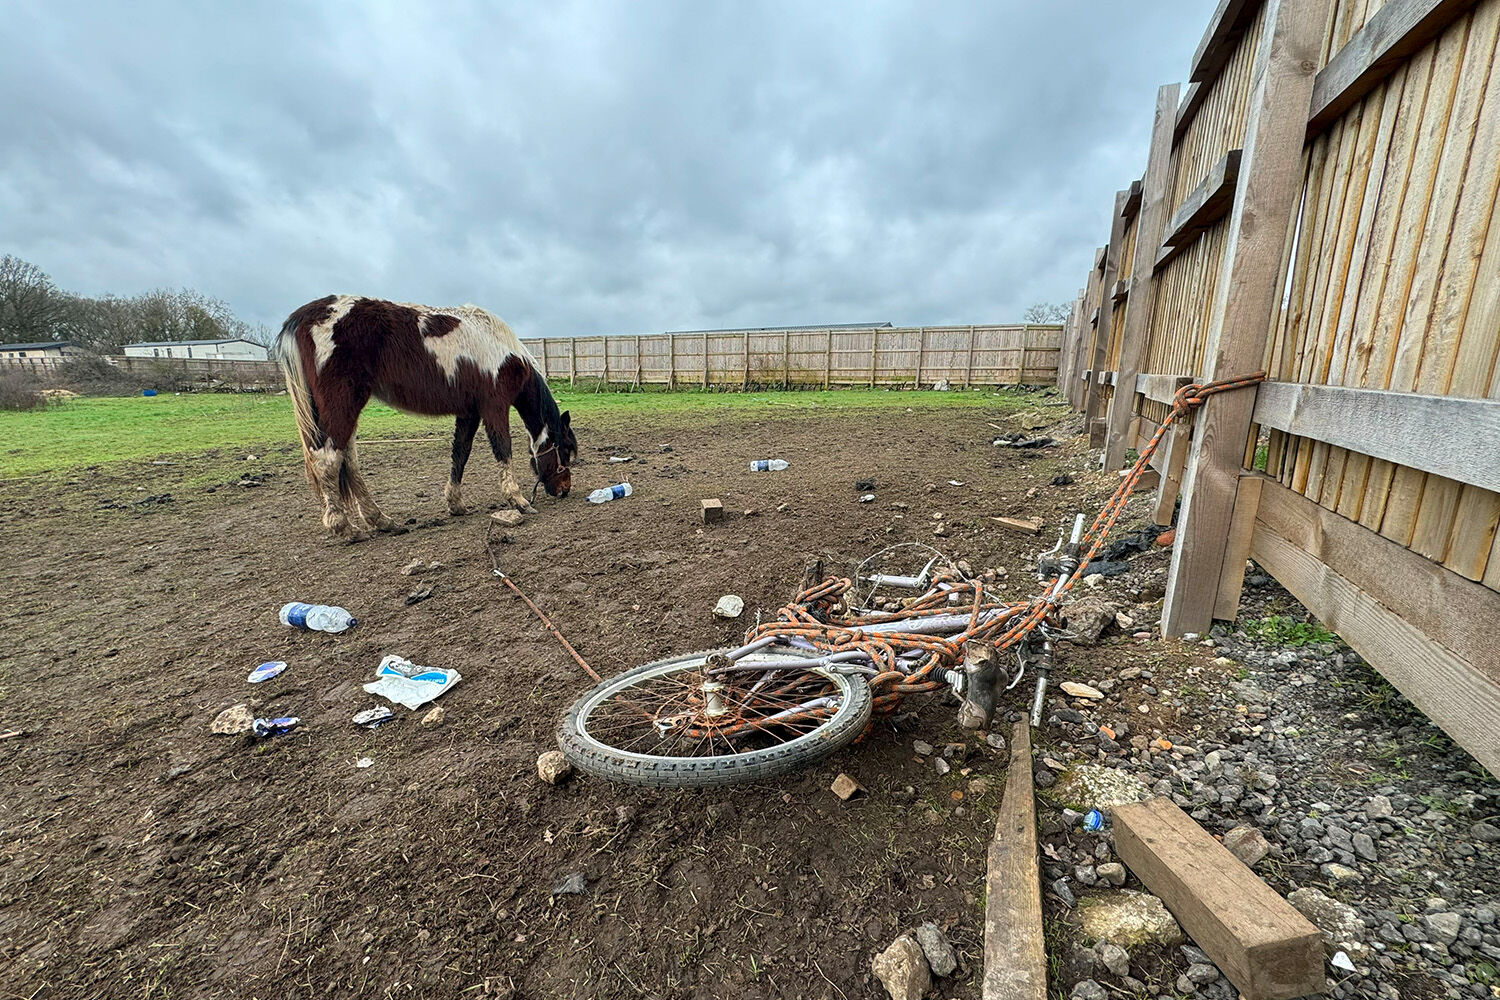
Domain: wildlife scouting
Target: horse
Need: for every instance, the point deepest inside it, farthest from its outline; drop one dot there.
(338, 351)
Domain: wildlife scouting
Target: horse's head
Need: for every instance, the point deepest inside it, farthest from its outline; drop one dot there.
(550, 460)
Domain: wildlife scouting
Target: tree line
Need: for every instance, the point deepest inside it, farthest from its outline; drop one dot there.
(34, 309)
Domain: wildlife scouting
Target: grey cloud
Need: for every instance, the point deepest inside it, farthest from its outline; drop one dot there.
(582, 167)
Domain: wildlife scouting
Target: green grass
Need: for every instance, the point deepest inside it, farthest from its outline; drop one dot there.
(87, 431)
(1282, 630)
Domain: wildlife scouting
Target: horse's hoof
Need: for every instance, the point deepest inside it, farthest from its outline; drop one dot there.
(351, 537)
(459, 511)
(391, 527)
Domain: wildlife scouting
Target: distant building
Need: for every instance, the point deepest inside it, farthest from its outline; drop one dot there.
(215, 350)
(43, 349)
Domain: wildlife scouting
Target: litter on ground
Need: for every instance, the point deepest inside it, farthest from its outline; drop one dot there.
(405, 683)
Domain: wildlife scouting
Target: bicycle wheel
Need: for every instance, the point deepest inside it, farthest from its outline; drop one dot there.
(658, 725)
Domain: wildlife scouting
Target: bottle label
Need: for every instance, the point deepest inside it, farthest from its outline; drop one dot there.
(617, 491)
(760, 465)
(297, 615)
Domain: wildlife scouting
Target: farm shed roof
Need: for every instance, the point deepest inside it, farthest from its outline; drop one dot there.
(39, 345)
(192, 343)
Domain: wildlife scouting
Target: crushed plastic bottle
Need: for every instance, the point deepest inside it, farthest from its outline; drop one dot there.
(316, 617)
(604, 494)
(275, 727)
(768, 465)
(1093, 820)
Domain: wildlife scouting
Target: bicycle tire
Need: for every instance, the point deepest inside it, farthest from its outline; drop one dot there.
(593, 757)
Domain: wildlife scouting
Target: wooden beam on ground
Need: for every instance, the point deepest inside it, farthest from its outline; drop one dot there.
(1392, 35)
(1445, 435)
(1028, 525)
(1429, 631)
(1241, 528)
(1270, 183)
(1225, 27)
(1096, 359)
(1015, 955)
(1205, 205)
(1160, 388)
(1265, 948)
(1153, 216)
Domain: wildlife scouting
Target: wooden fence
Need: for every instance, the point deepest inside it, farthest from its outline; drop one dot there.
(915, 356)
(961, 355)
(1317, 203)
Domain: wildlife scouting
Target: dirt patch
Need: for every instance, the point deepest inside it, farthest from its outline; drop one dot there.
(143, 856)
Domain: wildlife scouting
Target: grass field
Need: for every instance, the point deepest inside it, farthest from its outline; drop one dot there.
(85, 431)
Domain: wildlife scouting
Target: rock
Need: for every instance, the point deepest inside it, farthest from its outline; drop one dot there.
(1088, 990)
(1062, 479)
(729, 606)
(1115, 959)
(1443, 927)
(1247, 844)
(508, 518)
(902, 969)
(1335, 872)
(1364, 846)
(553, 768)
(419, 595)
(941, 766)
(1166, 538)
(995, 740)
(1485, 833)
(571, 885)
(1379, 807)
(1112, 872)
(941, 958)
(1088, 617)
(1090, 786)
(1044, 778)
(233, 721)
(1202, 975)
(1075, 690)
(921, 748)
(845, 787)
(433, 717)
(1338, 922)
(415, 566)
(1129, 919)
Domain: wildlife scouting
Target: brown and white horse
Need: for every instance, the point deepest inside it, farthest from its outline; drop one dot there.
(340, 350)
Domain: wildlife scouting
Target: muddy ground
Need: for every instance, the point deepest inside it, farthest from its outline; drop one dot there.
(142, 856)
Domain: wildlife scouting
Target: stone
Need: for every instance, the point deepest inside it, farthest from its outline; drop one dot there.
(1335, 872)
(941, 958)
(1044, 778)
(1379, 807)
(1201, 975)
(1485, 833)
(433, 717)
(902, 969)
(1112, 872)
(1129, 919)
(553, 768)
(1090, 786)
(1088, 990)
(1075, 690)
(845, 787)
(921, 748)
(1088, 617)
(1248, 844)
(729, 606)
(508, 518)
(1338, 922)
(1364, 846)
(1115, 959)
(233, 721)
(995, 741)
(941, 766)
(713, 510)
(1443, 927)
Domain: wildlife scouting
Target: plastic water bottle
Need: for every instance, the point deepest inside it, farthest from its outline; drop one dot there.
(604, 494)
(316, 617)
(768, 465)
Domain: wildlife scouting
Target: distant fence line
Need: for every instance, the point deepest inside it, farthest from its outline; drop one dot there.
(959, 355)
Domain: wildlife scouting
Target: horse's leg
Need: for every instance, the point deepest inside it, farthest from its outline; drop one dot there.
(359, 490)
(497, 428)
(338, 412)
(464, 428)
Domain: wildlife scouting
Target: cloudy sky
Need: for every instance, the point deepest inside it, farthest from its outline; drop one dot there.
(582, 167)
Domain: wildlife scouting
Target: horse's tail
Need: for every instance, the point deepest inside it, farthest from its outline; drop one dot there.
(289, 357)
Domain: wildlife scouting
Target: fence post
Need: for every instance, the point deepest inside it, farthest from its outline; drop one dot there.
(1021, 368)
(1149, 225)
(1096, 358)
(874, 354)
(1265, 198)
(745, 386)
(969, 364)
(828, 360)
(572, 360)
(604, 346)
(672, 360)
(705, 361)
(786, 359)
(637, 360)
(921, 356)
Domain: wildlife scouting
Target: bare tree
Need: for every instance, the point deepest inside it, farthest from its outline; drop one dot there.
(1047, 312)
(31, 306)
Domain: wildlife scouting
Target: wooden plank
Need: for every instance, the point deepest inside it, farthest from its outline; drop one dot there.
(1397, 427)
(1225, 27)
(1029, 525)
(1429, 631)
(1149, 225)
(1263, 946)
(1205, 204)
(1395, 33)
(1241, 528)
(1121, 291)
(1192, 101)
(1270, 182)
(1015, 954)
(1161, 388)
(1132, 201)
(1095, 357)
(1173, 452)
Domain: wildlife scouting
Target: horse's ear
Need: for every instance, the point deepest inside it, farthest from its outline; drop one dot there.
(566, 417)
